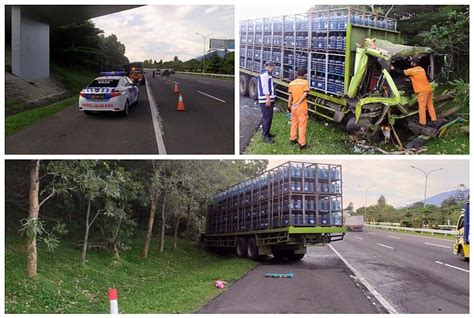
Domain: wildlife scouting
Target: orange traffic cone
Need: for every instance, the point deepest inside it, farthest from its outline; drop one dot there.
(176, 88)
(180, 106)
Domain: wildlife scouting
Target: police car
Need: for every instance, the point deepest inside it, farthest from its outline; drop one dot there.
(113, 92)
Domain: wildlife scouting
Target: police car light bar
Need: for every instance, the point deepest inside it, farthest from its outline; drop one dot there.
(115, 73)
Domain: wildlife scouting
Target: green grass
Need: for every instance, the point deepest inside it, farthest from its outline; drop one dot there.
(178, 281)
(73, 79)
(13, 123)
(321, 138)
(325, 138)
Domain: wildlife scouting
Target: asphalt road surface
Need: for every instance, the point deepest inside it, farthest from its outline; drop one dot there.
(250, 117)
(415, 274)
(321, 284)
(72, 132)
(207, 125)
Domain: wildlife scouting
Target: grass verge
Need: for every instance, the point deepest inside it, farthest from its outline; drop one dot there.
(321, 138)
(13, 123)
(176, 281)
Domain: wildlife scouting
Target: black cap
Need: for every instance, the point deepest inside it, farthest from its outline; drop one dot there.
(301, 72)
(269, 63)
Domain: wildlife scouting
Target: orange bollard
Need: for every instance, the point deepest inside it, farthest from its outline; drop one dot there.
(180, 106)
(176, 88)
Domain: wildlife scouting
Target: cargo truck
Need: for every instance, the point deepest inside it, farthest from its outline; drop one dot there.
(348, 55)
(354, 223)
(278, 213)
(461, 246)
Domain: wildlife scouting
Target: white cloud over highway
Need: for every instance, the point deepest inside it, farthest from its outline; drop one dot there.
(163, 31)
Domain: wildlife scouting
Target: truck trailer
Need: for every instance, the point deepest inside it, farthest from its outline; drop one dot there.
(354, 223)
(279, 212)
(348, 55)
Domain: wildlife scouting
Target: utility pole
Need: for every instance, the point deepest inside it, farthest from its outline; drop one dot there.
(427, 174)
(204, 50)
(366, 193)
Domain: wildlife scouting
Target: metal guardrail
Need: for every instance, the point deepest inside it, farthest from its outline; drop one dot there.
(206, 74)
(411, 229)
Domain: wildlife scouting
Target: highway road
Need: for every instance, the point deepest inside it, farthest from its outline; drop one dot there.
(153, 126)
(207, 125)
(415, 274)
(322, 284)
(72, 132)
(368, 272)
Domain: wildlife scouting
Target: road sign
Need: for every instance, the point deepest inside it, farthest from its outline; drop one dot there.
(221, 44)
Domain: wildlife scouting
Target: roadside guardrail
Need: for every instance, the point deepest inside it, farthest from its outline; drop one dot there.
(411, 229)
(206, 74)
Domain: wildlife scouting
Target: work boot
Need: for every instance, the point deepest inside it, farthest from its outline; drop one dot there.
(302, 147)
(293, 142)
(272, 135)
(268, 140)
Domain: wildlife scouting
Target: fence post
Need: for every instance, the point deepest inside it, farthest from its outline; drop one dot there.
(113, 301)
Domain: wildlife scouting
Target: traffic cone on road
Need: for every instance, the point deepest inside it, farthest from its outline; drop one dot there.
(180, 106)
(176, 88)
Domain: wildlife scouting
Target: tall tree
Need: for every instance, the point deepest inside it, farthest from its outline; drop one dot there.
(31, 252)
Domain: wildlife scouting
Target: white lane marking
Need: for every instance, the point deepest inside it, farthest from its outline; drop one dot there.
(386, 246)
(222, 101)
(367, 285)
(359, 238)
(426, 237)
(394, 237)
(371, 233)
(437, 245)
(156, 122)
(451, 266)
(203, 82)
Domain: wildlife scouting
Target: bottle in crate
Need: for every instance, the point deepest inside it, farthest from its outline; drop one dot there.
(296, 186)
(323, 187)
(308, 186)
(333, 21)
(332, 42)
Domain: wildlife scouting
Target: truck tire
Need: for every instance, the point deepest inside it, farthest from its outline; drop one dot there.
(244, 85)
(253, 92)
(241, 247)
(280, 254)
(252, 249)
(295, 257)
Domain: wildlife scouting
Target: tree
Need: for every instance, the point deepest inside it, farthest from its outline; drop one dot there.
(381, 202)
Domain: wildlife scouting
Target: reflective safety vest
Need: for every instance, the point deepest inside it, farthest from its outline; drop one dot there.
(265, 87)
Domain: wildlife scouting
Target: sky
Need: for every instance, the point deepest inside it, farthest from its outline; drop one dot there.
(163, 31)
(400, 184)
(252, 12)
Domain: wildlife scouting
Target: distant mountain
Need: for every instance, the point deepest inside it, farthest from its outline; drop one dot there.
(437, 199)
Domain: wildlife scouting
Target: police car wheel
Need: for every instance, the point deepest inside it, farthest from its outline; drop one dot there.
(126, 109)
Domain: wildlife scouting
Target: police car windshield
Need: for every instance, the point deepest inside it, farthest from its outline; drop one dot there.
(104, 82)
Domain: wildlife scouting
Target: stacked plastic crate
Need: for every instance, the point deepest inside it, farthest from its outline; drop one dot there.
(293, 194)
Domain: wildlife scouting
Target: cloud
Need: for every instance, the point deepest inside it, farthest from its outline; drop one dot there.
(163, 31)
(400, 184)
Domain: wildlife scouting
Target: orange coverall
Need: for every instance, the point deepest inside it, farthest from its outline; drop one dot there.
(299, 115)
(424, 92)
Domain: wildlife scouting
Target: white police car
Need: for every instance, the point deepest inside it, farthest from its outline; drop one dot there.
(113, 91)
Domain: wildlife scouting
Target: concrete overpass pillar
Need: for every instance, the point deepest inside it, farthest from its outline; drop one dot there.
(30, 45)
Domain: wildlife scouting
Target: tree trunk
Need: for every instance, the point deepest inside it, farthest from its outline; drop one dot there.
(31, 252)
(151, 221)
(188, 222)
(86, 234)
(163, 223)
(176, 228)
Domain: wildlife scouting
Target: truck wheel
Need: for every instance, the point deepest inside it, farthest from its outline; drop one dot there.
(244, 85)
(279, 254)
(253, 92)
(252, 249)
(241, 247)
(295, 257)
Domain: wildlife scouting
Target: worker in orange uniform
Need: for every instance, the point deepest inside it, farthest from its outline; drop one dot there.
(298, 107)
(422, 88)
